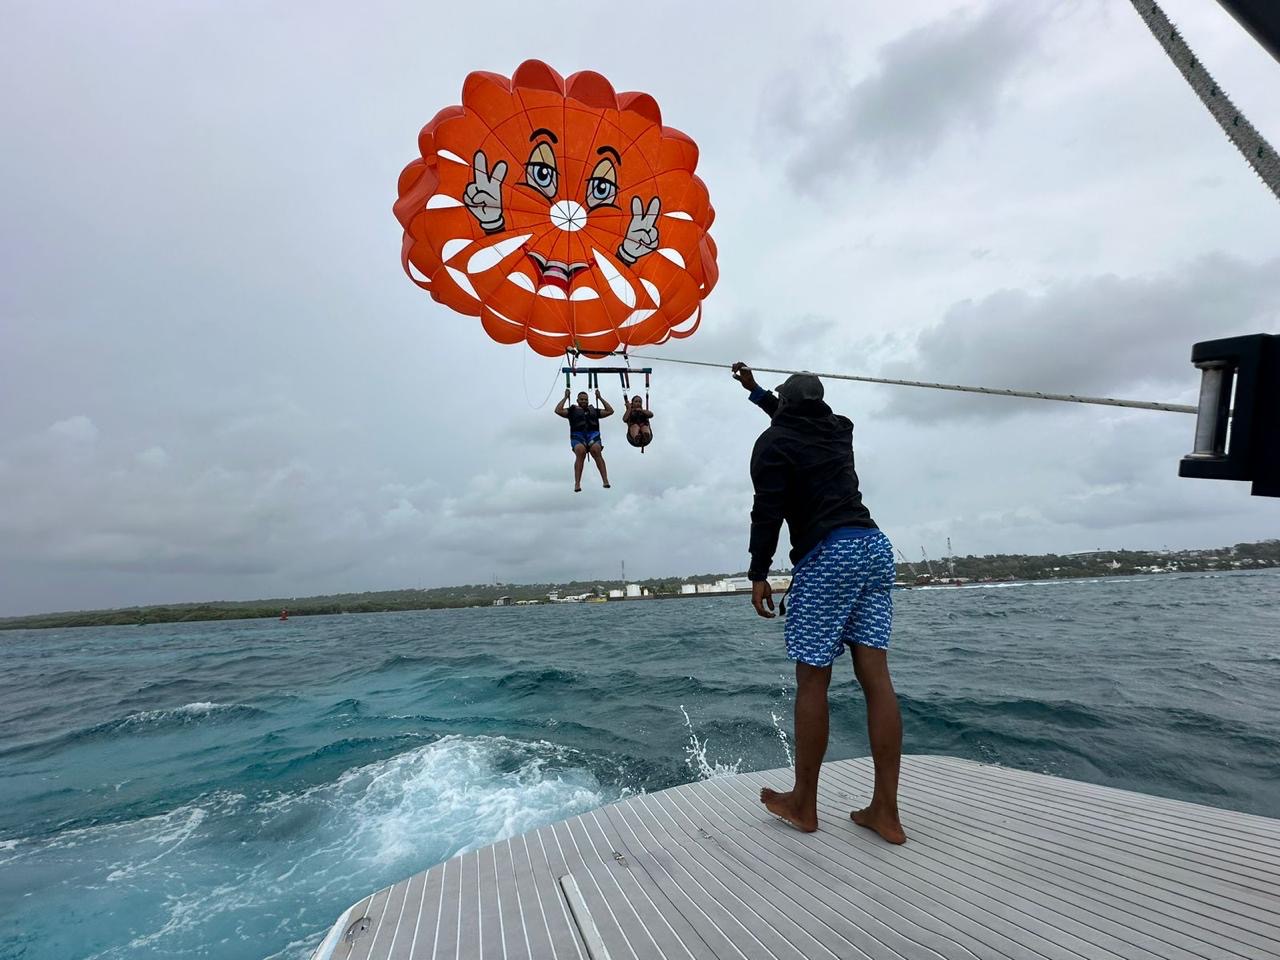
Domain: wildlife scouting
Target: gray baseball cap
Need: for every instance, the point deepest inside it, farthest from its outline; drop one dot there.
(799, 387)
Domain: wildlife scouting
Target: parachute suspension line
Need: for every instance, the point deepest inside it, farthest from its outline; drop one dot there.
(990, 391)
(646, 400)
(524, 381)
(1251, 144)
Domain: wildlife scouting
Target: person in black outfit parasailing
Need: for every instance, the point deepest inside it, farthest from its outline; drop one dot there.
(637, 417)
(584, 433)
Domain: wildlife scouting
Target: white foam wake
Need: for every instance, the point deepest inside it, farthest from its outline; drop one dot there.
(240, 871)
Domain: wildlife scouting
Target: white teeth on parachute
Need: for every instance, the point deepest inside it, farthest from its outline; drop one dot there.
(503, 317)
(584, 292)
(617, 282)
(673, 256)
(486, 258)
(678, 215)
(687, 321)
(462, 281)
(521, 280)
(552, 292)
(416, 273)
(450, 155)
(453, 247)
(635, 317)
(439, 201)
(653, 292)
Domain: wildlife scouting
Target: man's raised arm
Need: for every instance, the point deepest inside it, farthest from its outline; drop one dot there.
(762, 398)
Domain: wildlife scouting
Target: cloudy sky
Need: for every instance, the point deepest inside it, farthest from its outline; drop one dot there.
(216, 383)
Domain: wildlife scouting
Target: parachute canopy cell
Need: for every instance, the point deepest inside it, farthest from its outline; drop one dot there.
(560, 213)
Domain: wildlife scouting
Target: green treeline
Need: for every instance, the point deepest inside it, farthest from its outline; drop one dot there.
(1243, 556)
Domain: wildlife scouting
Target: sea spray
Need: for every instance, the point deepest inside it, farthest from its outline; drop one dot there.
(782, 738)
(695, 753)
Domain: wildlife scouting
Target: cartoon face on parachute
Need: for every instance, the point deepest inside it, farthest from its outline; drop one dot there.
(559, 212)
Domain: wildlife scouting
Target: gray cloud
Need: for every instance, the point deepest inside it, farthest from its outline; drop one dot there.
(931, 82)
(1097, 335)
(216, 383)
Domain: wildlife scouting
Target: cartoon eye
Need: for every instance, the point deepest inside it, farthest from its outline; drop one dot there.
(540, 170)
(602, 185)
(600, 191)
(541, 176)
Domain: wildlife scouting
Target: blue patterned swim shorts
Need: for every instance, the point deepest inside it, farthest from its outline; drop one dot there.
(841, 594)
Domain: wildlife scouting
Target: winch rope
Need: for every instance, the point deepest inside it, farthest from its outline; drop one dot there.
(989, 391)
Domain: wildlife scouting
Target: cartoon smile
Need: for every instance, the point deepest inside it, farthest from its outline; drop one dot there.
(555, 273)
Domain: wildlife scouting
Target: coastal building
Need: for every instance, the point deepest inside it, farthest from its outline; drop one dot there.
(502, 602)
(634, 590)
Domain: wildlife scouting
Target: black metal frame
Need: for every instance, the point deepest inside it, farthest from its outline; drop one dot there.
(1241, 443)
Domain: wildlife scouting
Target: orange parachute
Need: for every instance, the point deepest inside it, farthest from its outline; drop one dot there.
(560, 213)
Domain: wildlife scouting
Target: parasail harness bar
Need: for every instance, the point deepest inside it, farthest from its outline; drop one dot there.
(624, 373)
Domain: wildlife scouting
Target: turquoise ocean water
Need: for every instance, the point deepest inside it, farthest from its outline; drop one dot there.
(225, 790)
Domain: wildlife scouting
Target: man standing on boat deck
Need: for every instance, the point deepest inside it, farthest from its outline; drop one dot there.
(841, 589)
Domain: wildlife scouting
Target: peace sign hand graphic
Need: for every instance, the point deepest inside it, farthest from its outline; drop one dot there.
(642, 233)
(483, 196)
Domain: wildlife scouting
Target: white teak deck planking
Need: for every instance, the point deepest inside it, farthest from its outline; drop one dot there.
(1000, 863)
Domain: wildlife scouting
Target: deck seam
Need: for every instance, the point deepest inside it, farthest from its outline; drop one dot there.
(1182, 917)
(732, 835)
(1027, 799)
(1046, 941)
(1025, 815)
(1053, 887)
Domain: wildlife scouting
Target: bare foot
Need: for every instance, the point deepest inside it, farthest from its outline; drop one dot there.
(885, 824)
(577, 489)
(606, 486)
(782, 806)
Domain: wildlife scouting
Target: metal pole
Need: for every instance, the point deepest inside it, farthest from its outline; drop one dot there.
(1211, 414)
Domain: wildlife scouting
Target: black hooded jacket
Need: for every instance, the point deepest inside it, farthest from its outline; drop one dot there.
(802, 470)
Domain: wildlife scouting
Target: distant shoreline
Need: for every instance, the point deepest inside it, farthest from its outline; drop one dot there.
(992, 570)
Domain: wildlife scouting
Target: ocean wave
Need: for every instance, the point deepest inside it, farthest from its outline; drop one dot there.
(140, 723)
(537, 682)
(956, 711)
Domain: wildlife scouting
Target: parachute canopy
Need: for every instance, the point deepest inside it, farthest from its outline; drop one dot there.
(560, 213)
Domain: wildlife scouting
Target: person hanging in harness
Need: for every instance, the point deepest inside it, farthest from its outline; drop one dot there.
(841, 590)
(584, 433)
(637, 417)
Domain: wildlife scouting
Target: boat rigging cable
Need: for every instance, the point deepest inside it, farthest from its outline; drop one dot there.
(990, 391)
(1251, 144)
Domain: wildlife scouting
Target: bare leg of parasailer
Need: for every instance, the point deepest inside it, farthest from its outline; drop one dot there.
(579, 458)
(597, 454)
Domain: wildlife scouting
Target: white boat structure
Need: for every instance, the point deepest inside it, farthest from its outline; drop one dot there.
(1001, 863)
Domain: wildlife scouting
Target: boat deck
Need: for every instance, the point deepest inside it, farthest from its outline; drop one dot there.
(1001, 864)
